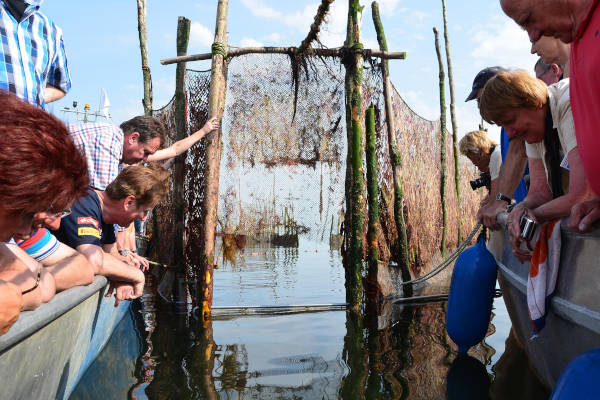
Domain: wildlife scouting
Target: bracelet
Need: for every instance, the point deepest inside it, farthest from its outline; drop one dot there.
(37, 281)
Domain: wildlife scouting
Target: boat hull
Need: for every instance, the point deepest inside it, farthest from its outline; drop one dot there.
(46, 352)
(573, 319)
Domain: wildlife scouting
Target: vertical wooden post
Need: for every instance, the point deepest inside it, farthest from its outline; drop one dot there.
(147, 101)
(395, 156)
(442, 143)
(372, 188)
(453, 119)
(213, 162)
(355, 190)
(181, 130)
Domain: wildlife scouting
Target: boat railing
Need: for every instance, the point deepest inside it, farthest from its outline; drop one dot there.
(31, 321)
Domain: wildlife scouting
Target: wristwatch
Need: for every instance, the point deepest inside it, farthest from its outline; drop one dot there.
(507, 199)
(124, 252)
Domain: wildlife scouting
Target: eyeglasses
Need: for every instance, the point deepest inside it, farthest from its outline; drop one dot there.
(61, 214)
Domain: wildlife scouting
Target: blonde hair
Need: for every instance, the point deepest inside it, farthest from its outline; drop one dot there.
(148, 185)
(509, 90)
(474, 142)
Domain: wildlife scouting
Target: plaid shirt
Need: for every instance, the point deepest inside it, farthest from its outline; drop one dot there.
(102, 145)
(33, 55)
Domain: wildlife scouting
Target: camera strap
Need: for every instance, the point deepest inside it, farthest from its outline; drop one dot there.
(552, 156)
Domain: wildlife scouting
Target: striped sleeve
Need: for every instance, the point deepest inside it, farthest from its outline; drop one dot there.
(41, 245)
(58, 75)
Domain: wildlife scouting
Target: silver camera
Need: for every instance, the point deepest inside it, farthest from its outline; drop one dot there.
(527, 227)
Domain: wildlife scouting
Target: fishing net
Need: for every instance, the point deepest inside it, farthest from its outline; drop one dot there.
(282, 173)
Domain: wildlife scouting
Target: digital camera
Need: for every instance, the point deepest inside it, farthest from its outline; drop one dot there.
(483, 180)
(527, 227)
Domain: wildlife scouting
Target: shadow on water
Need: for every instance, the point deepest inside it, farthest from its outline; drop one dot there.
(404, 353)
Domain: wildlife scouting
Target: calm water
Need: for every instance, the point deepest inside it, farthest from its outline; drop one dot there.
(155, 354)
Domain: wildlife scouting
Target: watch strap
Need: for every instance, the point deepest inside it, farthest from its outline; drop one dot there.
(507, 199)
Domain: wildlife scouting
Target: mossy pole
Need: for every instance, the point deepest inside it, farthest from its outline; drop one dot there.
(372, 188)
(395, 156)
(453, 119)
(442, 143)
(181, 130)
(213, 162)
(355, 190)
(147, 101)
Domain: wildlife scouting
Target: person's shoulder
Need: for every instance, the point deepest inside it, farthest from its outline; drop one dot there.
(87, 202)
(560, 89)
(94, 127)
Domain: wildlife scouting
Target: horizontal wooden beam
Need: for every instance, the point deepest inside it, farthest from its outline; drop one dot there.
(336, 52)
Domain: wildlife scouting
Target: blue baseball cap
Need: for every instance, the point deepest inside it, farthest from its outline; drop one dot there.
(481, 78)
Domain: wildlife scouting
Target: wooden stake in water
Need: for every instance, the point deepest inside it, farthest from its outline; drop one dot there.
(355, 187)
(442, 143)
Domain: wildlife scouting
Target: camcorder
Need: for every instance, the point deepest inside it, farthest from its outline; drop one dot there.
(483, 180)
(527, 227)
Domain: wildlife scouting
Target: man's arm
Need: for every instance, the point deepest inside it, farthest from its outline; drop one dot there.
(508, 180)
(11, 303)
(52, 94)
(68, 267)
(14, 271)
(182, 145)
(110, 266)
(47, 285)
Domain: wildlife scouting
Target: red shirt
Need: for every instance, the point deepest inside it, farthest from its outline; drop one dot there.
(585, 94)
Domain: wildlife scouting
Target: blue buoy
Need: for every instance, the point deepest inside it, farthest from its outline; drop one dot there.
(471, 296)
(580, 379)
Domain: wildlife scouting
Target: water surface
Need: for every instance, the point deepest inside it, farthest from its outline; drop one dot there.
(156, 354)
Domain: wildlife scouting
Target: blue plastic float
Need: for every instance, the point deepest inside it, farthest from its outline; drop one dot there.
(580, 379)
(471, 295)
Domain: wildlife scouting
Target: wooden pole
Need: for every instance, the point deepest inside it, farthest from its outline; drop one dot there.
(213, 163)
(147, 101)
(395, 156)
(453, 119)
(442, 143)
(335, 52)
(355, 190)
(372, 188)
(181, 129)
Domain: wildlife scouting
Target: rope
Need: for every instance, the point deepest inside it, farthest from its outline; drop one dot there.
(444, 264)
(219, 48)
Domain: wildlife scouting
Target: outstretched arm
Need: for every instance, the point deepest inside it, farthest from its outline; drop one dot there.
(182, 145)
(114, 269)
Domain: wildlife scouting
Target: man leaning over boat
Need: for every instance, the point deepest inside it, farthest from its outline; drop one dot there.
(89, 227)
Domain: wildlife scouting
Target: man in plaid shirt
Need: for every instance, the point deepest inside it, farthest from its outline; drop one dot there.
(33, 62)
(107, 146)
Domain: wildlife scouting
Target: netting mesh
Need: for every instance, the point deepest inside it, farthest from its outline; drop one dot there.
(282, 176)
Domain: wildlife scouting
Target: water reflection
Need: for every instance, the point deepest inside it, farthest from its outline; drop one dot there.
(404, 353)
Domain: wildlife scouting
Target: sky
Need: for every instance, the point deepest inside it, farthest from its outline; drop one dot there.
(102, 43)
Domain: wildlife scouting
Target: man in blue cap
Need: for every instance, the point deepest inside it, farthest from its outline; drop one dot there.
(514, 162)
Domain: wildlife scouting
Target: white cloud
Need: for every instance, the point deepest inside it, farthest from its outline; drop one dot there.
(501, 42)
(417, 101)
(200, 36)
(387, 7)
(273, 37)
(249, 42)
(333, 33)
(420, 16)
(260, 9)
